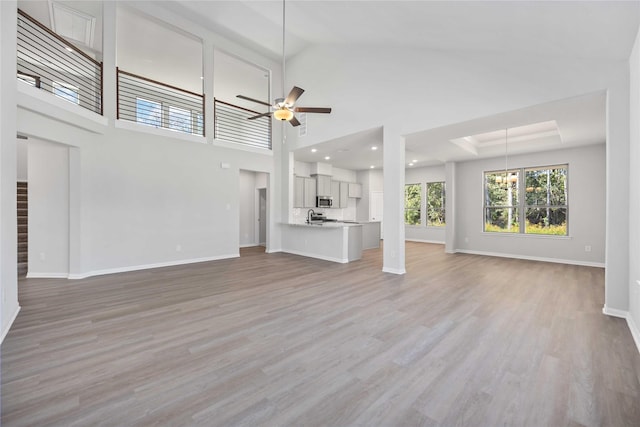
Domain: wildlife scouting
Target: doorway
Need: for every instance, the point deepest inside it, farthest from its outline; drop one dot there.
(254, 209)
(261, 216)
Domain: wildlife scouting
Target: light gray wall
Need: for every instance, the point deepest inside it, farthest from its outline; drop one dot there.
(48, 209)
(634, 196)
(422, 232)
(586, 185)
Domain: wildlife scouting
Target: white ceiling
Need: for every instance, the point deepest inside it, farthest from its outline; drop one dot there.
(561, 124)
(585, 29)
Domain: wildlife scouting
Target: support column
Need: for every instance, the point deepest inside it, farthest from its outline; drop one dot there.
(109, 96)
(8, 169)
(208, 59)
(450, 207)
(393, 211)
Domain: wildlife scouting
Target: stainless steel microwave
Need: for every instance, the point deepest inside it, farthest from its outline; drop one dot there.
(324, 202)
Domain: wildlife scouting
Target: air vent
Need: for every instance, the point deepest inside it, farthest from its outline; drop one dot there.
(72, 24)
(302, 129)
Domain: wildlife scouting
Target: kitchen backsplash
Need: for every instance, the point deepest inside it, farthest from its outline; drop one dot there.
(345, 214)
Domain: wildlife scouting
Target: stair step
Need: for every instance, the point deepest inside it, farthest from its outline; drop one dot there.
(22, 220)
(23, 269)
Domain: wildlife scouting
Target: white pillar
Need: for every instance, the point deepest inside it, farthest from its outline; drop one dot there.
(450, 208)
(8, 169)
(393, 211)
(109, 96)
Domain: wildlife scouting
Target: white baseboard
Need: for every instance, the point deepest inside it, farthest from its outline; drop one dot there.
(322, 257)
(533, 258)
(32, 275)
(615, 312)
(437, 242)
(635, 332)
(13, 319)
(394, 270)
(250, 245)
(149, 266)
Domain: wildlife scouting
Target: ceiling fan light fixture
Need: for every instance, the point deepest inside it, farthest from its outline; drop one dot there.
(283, 114)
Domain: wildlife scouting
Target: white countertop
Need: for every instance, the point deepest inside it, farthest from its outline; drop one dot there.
(329, 224)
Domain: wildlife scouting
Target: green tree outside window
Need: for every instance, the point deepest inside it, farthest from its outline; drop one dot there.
(412, 203)
(435, 204)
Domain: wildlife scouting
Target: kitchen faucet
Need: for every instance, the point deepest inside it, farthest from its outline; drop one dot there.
(309, 212)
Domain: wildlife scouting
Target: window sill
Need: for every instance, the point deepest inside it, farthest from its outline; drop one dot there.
(528, 236)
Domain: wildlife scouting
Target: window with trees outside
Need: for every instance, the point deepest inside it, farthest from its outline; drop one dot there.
(541, 201)
(412, 203)
(435, 204)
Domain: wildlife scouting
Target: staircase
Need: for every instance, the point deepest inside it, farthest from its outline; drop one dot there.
(23, 215)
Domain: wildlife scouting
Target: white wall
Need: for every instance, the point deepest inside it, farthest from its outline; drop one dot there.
(8, 231)
(422, 233)
(48, 209)
(633, 317)
(586, 185)
(21, 164)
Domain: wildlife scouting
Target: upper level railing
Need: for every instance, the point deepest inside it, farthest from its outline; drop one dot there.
(232, 124)
(49, 62)
(156, 104)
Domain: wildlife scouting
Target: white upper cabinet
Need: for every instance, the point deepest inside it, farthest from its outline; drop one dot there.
(355, 190)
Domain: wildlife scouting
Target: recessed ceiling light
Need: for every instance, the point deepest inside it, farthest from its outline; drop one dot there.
(374, 148)
(69, 49)
(371, 167)
(414, 161)
(201, 77)
(327, 158)
(410, 164)
(313, 150)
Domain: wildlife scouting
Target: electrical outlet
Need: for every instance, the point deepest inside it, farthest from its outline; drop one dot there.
(587, 248)
(42, 256)
(178, 248)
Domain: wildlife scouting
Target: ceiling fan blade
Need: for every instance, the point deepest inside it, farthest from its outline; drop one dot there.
(294, 122)
(312, 110)
(253, 100)
(259, 115)
(294, 95)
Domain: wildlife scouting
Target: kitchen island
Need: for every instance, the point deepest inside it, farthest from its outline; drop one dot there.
(331, 241)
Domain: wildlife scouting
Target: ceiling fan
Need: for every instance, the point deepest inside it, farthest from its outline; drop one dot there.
(284, 108)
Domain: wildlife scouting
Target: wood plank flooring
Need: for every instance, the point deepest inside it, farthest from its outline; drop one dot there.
(282, 340)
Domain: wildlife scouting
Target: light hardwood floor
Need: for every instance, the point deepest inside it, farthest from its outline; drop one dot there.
(277, 339)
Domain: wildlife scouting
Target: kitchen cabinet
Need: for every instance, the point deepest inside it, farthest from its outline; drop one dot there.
(304, 194)
(309, 193)
(323, 185)
(335, 193)
(355, 190)
(344, 194)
